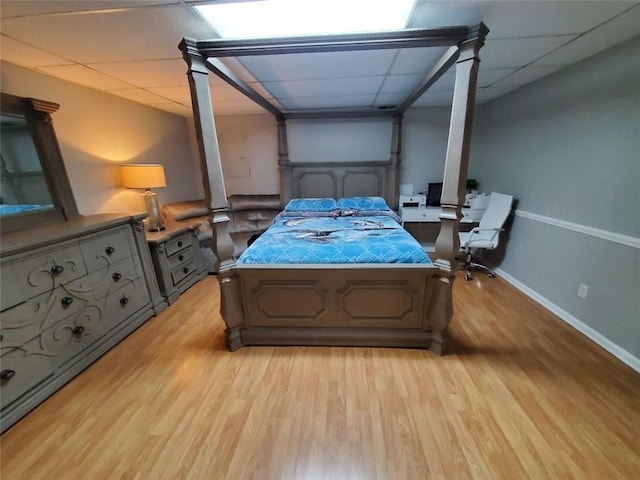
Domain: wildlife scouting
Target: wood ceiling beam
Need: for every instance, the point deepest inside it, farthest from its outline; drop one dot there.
(225, 73)
(439, 69)
(435, 37)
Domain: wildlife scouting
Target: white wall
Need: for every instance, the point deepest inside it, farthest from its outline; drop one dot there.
(249, 153)
(97, 132)
(424, 146)
(568, 148)
(341, 140)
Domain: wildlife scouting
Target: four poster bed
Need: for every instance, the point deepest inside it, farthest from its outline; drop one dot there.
(355, 301)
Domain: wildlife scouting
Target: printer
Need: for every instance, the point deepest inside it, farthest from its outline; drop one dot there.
(413, 201)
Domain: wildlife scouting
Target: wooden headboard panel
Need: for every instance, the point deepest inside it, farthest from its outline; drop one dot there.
(340, 179)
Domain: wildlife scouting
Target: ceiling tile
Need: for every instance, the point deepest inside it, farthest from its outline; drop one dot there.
(488, 77)
(347, 101)
(392, 99)
(111, 36)
(519, 18)
(14, 8)
(173, 107)
(155, 73)
(608, 35)
(518, 52)
(320, 65)
(524, 76)
(177, 94)
(138, 95)
(22, 54)
(84, 76)
(325, 88)
(484, 95)
(400, 83)
(435, 98)
(237, 108)
(417, 60)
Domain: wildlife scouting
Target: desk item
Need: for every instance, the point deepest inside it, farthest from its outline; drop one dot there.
(406, 189)
(434, 192)
(412, 201)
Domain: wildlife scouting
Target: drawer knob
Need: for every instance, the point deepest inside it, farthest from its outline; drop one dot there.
(180, 243)
(180, 257)
(124, 301)
(109, 250)
(66, 301)
(57, 269)
(78, 330)
(7, 374)
(116, 276)
(185, 270)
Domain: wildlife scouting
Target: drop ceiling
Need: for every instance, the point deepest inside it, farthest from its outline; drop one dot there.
(129, 48)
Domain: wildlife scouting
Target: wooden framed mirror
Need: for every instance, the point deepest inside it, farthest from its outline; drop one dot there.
(34, 188)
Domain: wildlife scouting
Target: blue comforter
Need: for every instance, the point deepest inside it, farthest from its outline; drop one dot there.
(340, 239)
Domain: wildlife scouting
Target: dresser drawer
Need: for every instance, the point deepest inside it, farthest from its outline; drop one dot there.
(26, 321)
(180, 273)
(100, 283)
(104, 250)
(124, 302)
(179, 243)
(26, 371)
(179, 258)
(43, 271)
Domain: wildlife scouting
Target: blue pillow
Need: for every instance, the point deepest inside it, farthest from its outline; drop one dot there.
(311, 205)
(363, 203)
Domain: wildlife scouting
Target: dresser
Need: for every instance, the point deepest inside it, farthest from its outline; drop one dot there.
(177, 258)
(69, 292)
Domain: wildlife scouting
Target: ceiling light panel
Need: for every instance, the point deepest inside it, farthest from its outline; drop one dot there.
(281, 18)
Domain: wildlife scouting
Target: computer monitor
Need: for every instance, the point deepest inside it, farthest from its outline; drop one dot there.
(434, 192)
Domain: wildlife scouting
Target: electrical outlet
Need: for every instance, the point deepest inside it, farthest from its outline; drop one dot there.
(583, 290)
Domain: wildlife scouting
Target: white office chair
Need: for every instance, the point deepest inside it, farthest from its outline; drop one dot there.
(487, 234)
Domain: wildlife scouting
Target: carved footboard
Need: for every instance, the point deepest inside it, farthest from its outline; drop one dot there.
(348, 305)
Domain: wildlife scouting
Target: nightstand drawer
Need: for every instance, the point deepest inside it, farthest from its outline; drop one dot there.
(179, 243)
(179, 258)
(182, 272)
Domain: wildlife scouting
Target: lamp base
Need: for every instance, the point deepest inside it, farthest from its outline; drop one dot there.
(154, 220)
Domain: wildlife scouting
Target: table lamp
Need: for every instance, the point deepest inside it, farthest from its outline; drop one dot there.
(146, 176)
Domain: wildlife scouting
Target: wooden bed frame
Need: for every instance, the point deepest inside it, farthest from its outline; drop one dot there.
(389, 305)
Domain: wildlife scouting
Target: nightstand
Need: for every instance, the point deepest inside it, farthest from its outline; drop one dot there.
(176, 258)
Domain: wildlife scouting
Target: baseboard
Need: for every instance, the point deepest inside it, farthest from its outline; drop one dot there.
(618, 352)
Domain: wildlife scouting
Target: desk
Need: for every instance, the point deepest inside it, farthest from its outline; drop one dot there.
(424, 223)
(432, 215)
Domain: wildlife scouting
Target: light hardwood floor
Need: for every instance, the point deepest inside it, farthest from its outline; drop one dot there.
(522, 395)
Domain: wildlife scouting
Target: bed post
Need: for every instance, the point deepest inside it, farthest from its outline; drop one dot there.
(286, 185)
(455, 175)
(214, 191)
(394, 163)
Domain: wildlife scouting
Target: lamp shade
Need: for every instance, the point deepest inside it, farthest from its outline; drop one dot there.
(143, 176)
